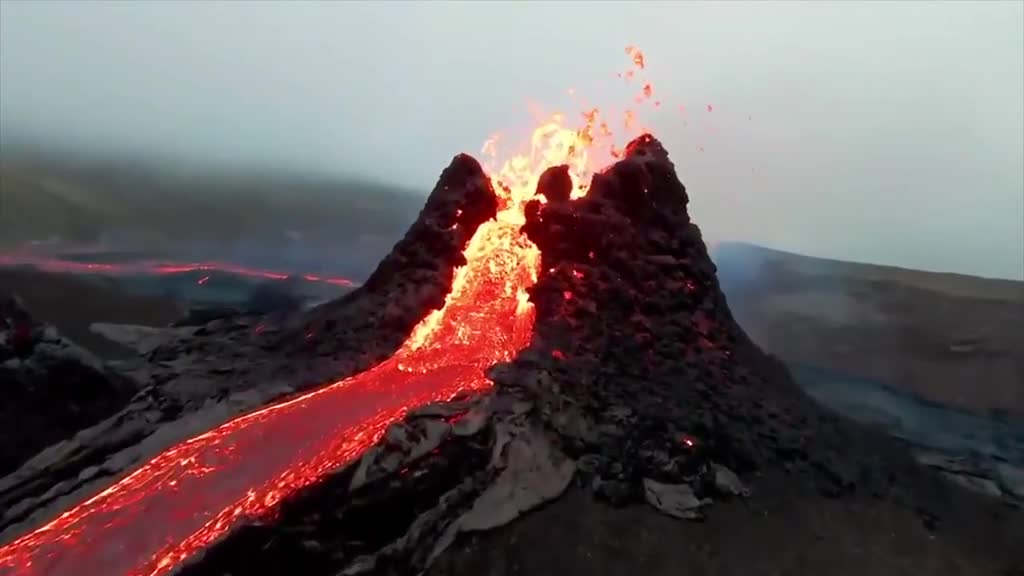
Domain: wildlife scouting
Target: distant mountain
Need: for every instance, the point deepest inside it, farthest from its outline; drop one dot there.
(269, 218)
(949, 338)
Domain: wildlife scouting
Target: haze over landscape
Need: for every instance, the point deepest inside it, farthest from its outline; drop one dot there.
(889, 134)
(749, 303)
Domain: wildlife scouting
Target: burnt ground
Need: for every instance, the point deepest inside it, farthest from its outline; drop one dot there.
(49, 386)
(785, 529)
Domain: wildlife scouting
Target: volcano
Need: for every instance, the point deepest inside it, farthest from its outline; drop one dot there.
(549, 330)
(635, 386)
(520, 341)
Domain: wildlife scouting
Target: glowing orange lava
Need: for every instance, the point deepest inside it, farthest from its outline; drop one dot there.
(158, 268)
(193, 493)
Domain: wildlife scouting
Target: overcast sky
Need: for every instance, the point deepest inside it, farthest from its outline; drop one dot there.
(882, 132)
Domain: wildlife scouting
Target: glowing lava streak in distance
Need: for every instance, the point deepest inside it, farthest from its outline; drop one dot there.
(154, 268)
(186, 497)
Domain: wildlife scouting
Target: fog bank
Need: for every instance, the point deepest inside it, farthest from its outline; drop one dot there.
(881, 132)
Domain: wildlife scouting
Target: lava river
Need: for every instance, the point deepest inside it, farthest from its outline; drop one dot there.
(189, 495)
(193, 493)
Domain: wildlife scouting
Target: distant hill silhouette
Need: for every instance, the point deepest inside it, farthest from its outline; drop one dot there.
(949, 338)
(270, 218)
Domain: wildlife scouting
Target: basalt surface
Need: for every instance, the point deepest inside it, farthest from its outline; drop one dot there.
(50, 387)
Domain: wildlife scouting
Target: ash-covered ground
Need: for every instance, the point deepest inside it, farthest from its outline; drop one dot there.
(641, 430)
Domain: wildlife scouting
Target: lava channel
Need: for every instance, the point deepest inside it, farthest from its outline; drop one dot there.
(183, 499)
(191, 494)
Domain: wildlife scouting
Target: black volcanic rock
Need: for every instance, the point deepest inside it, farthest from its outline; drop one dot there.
(555, 184)
(49, 387)
(630, 319)
(373, 320)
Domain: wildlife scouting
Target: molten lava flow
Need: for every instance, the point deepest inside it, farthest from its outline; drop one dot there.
(186, 497)
(154, 268)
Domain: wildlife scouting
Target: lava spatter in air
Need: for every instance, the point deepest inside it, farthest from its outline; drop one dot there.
(182, 500)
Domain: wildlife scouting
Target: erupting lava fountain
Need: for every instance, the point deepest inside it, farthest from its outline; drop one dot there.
(186, 497)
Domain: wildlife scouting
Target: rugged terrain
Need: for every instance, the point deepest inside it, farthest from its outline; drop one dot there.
(51, 387)
(951, 339)
(71, 303)
(638, 393)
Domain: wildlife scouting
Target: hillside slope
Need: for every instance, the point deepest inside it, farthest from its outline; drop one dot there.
(268, 219)
(948, 338)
